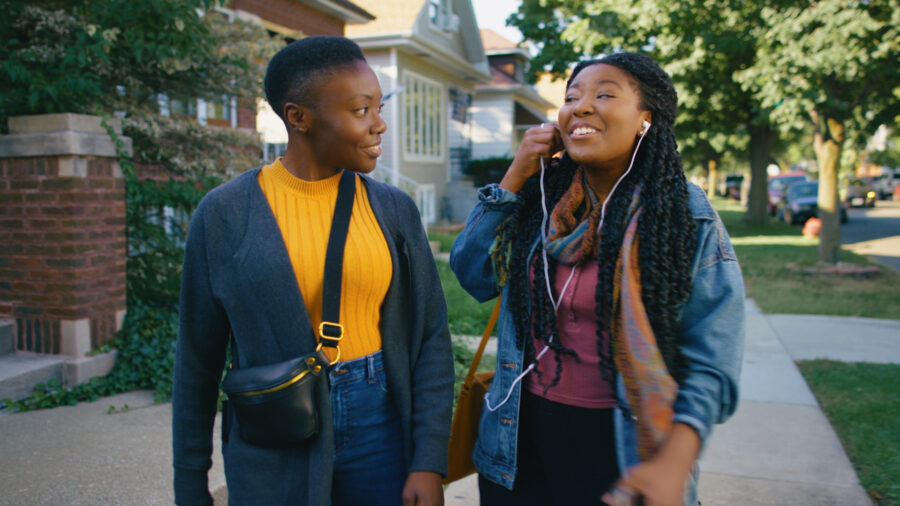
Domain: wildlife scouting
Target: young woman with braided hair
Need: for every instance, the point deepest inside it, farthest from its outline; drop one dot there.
(622, 321)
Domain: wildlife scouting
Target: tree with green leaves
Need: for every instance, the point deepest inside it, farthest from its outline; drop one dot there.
(700, 47)
(887, 155)
(834, 66)
(100, 56)
(118, 57)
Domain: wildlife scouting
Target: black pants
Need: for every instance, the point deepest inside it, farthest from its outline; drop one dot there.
(567, 456)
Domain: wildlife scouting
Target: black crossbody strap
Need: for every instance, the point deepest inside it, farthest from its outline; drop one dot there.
(331, 331)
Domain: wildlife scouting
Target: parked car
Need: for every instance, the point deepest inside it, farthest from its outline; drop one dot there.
(800, 203)
(777, 185)
(856, 192)
(730, 187)
(885, 184)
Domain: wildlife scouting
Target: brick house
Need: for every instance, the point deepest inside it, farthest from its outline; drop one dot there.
(288, 20)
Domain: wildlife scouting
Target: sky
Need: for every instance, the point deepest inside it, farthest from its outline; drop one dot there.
(493, 13)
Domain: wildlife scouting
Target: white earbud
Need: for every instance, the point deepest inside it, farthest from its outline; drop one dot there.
(645, 125)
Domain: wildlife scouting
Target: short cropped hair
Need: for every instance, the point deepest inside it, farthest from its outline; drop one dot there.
(296, 68)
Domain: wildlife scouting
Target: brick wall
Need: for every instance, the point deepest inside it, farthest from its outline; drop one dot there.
(246, 114)
(292, 14)
(62, 248)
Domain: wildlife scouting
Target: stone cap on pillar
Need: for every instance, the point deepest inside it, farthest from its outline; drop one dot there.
(60, 134)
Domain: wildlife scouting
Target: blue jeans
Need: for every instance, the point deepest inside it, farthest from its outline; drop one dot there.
(369, 464)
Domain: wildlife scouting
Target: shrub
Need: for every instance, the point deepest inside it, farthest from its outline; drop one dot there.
(146, 357)
(487, 170)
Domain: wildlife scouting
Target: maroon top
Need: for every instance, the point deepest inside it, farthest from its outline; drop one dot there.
(580, 382)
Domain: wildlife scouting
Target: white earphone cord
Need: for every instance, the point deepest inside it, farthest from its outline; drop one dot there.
(557, 302)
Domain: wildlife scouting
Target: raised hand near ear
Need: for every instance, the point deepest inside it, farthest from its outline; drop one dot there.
(538, 142)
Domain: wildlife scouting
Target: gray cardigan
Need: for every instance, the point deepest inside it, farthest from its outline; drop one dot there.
(238, 282)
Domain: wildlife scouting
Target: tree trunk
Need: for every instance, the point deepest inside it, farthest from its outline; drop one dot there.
(762, 137)
(828, 140)
(712, 178)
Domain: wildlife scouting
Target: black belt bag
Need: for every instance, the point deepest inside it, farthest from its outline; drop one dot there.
(277, 403)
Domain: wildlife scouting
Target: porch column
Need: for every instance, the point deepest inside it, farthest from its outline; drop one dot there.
(62, 233)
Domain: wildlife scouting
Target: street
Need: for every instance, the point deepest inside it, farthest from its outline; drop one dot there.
(875, 232)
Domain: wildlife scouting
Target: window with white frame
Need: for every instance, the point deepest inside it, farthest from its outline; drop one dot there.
(181, 108)
(219, 112)
(423, 118)
(440, 12)
(222, 112)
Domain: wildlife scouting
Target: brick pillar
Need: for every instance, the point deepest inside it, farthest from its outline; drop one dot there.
(62, 233)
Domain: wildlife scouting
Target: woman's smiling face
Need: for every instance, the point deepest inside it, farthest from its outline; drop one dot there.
(601, 117)
(346, 128)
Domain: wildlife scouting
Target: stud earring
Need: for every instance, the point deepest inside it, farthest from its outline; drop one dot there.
(300, 130)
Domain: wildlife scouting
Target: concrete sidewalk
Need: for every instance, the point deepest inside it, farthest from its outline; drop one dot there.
(116, 451)
(778, 448)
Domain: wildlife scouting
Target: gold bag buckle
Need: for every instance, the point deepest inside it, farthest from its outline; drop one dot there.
(337, 338)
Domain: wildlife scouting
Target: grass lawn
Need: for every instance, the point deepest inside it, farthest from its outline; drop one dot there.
(444, 238)
(467, 316)
(764, 253)
(862, 402)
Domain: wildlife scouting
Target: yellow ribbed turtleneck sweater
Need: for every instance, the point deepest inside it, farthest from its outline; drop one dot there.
(303, 210)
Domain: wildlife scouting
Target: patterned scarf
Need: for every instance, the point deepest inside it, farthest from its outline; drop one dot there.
(650, 389)
(568, 241)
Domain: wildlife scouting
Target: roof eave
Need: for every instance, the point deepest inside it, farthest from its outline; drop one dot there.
(520, 91)
(519, 51)
(354, 16)
(420, 46)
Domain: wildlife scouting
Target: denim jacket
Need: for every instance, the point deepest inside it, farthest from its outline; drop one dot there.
(712, 323)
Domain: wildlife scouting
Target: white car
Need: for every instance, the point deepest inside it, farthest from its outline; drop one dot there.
(885, 184)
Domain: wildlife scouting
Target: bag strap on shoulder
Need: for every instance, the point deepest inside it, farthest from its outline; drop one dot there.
(331, 331)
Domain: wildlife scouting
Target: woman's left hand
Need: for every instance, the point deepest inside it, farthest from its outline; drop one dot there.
(423, 488)
(660, 480)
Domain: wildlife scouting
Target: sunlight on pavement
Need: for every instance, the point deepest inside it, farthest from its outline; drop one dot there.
(790, 240)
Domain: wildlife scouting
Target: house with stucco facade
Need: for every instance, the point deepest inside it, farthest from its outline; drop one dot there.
(506, 106)
(429, 59)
